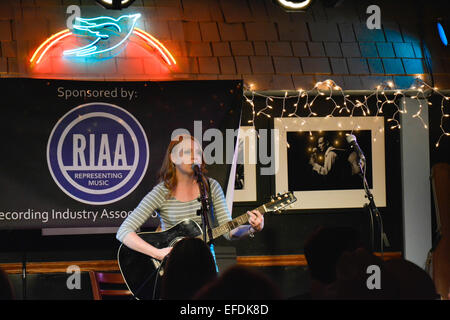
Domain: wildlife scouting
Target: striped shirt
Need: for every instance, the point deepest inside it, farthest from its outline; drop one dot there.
(171, 211)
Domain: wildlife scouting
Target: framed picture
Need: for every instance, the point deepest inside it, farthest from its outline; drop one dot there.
(315, 161)
(245, 176)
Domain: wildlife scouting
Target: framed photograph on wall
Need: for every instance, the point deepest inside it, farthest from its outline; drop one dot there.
(245, 177)
(315, 161)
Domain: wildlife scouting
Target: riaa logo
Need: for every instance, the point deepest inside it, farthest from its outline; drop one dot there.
(97, 153)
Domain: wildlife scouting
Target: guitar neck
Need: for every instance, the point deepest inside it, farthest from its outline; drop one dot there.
(236, 222)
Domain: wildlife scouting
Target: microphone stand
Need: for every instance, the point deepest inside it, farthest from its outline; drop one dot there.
(205, 209)
(373, 210)
(204, 212)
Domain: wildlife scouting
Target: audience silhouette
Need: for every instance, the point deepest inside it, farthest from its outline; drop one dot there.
(361, 275)
(322, 250)
(240, 283)
(340, 268)
(410, 281)
(189, 266)
(399, 279)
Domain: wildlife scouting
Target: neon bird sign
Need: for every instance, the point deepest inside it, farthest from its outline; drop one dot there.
(102, 29)
(106, 37)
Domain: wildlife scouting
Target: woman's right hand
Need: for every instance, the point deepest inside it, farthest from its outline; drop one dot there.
(162, 253)
(134, 242)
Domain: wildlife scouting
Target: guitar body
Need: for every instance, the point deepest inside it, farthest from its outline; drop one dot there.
(141, 273)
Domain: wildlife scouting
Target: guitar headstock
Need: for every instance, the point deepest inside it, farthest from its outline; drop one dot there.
(280, 201)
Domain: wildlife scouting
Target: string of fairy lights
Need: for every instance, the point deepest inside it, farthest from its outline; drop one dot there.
(345, 105)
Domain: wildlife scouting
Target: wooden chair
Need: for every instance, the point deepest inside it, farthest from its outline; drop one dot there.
(100, 279)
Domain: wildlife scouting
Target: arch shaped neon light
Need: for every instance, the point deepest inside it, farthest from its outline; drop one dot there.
(51, 41)
(295, 5)
(167, 56)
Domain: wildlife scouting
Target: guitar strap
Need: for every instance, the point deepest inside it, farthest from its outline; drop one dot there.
(213, 222)
(212, 217)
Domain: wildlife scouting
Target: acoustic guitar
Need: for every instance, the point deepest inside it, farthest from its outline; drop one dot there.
(142, 273)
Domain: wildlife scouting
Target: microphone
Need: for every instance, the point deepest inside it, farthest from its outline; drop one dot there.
(351, 139)
(197, 170)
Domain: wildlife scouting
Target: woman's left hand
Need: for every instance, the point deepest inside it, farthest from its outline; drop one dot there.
(256, 220)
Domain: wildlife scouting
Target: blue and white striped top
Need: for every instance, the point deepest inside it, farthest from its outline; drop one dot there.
(171, 211)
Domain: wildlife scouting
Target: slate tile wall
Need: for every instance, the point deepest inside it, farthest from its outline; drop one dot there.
(253, 40)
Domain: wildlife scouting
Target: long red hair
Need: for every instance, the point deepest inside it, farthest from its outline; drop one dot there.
(167, 173)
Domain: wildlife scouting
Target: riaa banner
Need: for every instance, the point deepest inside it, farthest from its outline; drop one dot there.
(84, 153)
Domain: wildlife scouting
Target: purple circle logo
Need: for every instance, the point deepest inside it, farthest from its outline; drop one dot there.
(97, 153)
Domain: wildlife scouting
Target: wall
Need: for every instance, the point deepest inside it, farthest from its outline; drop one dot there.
(252, 40)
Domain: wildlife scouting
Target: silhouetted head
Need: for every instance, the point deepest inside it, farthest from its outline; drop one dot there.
(411, 281)
(240, 283)
(324, 247)
(190, 265)
(361, 275)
